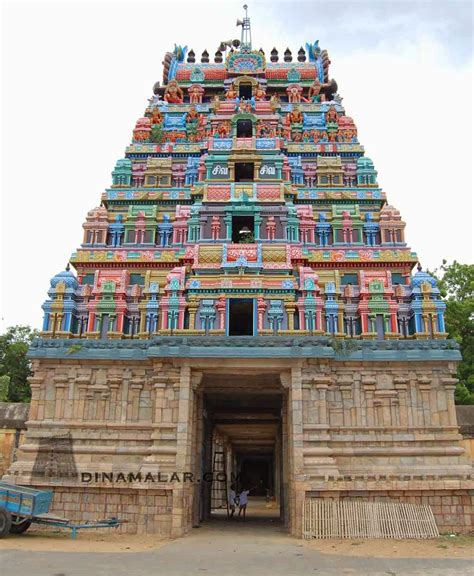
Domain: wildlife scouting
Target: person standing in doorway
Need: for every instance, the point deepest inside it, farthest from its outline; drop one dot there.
(232, 500)
(243, 501)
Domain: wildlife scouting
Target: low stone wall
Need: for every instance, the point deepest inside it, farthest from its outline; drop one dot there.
(13, 417)
(453, 510)
(145, 511)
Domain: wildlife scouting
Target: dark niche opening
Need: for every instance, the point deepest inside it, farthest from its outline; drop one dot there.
(244, 128)
(244, 171)
(241, 317)
(245, 90)
(243, 229)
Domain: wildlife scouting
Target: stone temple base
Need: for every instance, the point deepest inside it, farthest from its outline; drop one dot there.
(374, 421)
(144, 511)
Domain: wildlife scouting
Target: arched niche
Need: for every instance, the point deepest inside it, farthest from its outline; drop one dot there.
(244, 125)
(245, 86)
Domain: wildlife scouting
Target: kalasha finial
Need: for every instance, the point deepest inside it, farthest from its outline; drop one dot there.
(419, 268)
(68, 267)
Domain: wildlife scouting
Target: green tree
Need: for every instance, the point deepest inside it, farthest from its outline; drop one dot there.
(14, 364)
(4, 385)
(456, 284)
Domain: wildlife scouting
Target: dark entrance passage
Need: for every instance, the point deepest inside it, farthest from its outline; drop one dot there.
(242, 440)
(245, 91)
(256, 472)
(242, 229)
(244, 171)
(241, 317)
(244, 129)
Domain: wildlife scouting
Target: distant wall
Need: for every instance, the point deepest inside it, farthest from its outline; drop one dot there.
(465, 415)
(13, 417)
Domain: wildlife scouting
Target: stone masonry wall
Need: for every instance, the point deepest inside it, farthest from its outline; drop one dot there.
(145, 511)
(359, 427)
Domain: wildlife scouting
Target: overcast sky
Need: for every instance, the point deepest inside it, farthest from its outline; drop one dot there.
(76, 76)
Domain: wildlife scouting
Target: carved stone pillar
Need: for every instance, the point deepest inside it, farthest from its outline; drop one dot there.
(290, 308)
(322, 384)
(405, 416)
(136, 386)
(192, 309)
(162, 457)
(60, 384)
(450, 386)
(345, 384)
(369, 385)
(424, 386)
(295, 436)
(35, 385)
(182, 492)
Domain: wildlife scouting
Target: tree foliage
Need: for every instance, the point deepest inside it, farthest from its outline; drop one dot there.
(14, 365)
(456, 284)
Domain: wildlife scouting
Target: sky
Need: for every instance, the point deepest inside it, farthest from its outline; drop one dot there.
(76, 76)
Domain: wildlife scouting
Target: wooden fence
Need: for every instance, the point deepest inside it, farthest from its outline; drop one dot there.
(339, 519)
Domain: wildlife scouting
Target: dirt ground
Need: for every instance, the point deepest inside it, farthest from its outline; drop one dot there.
(37, 540)
(444, 547)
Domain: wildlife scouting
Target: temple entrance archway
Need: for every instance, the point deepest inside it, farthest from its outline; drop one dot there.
(243, 423)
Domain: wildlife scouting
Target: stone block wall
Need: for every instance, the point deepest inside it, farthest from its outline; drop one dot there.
(145, 511)
(13, 418)
(360, 426)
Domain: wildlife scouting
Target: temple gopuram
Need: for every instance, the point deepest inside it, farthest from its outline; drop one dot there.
(243, 307)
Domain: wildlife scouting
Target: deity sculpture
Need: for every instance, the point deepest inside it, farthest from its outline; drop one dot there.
(192, 116)
(156, 116)
(331, 115)
(323, 136)
(260, 93)
(264, 130)
(315, 93)
(173, 93)
(294, 93)
(231, 93)
(295, 116)
(195, 92)
(296, 136)
(223, 130)
(275, 101)
(245, 105)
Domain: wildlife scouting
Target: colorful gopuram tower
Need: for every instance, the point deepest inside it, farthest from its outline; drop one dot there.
(244, 288)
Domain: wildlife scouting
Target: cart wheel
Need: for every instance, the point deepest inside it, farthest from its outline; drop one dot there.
(5, 522)
(19, 528)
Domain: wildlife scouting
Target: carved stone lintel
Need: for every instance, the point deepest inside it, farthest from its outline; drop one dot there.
(196, 379)
(322, 381)
(449, 383)
(285, 378)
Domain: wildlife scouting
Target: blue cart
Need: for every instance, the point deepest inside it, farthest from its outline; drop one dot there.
(21, 506)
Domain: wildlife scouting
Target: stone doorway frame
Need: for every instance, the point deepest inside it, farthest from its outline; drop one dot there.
(187, 502)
